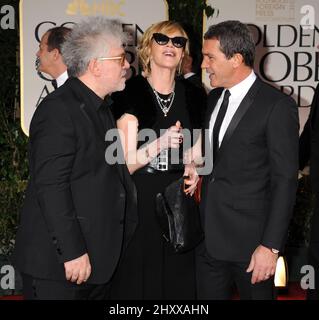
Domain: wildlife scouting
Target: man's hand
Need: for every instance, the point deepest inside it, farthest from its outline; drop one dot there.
(263, 264)
(78, 270)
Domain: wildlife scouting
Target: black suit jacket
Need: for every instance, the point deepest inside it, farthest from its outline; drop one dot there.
(248, 198)
(75, 202)
(196, 81)
(309, 142)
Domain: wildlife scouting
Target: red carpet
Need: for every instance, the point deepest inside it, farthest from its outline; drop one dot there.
(11, 298)
(293, 292)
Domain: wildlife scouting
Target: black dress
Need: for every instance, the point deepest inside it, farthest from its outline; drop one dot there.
(149, 268)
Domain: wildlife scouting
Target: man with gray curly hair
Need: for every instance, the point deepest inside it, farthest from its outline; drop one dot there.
(71, 230)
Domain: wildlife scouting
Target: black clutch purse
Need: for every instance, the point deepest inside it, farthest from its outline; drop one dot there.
(179, 218)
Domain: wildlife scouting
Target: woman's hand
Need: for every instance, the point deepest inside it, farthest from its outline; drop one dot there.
(191, 178)
(172, 138)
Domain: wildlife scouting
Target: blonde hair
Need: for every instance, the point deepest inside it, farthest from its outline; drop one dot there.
(144, 48)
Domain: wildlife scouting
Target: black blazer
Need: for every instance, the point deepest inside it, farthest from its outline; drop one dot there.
(196, 81)
(248, 198)
(75, 202)
(309, 142)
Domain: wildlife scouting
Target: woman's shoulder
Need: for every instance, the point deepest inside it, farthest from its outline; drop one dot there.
(126, 101)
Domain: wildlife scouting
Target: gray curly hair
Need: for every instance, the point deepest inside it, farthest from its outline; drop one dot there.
(91, 38)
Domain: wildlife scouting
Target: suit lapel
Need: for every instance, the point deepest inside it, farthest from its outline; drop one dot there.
(211, 104)
(241, 111)
(206, 145)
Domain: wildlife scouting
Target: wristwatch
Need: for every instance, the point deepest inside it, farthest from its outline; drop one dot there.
(274, 251)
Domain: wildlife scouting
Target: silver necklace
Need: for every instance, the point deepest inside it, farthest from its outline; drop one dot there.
(165, 104)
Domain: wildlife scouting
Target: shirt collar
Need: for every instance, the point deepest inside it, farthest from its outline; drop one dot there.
(108, 101)
(62, 78)
(242, 87)
(95, 100)
(188, 75)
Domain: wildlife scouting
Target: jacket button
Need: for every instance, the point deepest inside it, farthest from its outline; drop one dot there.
(59, 251)
(212, 179)
(122, 195)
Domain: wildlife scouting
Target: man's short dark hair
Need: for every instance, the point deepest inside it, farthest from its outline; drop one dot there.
(234, 37)
(57, 37)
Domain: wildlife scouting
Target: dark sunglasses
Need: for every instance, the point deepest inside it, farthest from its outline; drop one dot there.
(162, 40)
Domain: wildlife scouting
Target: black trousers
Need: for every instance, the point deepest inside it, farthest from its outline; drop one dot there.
(313, 253)
(216, 280)
(43, 289)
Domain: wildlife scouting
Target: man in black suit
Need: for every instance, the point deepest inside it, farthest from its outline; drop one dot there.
(49, 57)
(77, 204)
(191, 64)
(189, 74)
(309, 150)
(248, 197)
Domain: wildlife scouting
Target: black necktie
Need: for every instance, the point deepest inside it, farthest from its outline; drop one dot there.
(218, 123)
(54, 84)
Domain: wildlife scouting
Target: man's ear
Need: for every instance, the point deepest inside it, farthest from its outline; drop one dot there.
(94, 67)
(237, 60)
(56, 54)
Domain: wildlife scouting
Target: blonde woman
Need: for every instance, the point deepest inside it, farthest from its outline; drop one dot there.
(157, 101)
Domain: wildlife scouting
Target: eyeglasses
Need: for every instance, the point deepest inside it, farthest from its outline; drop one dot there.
(121, 58)
(162, 40)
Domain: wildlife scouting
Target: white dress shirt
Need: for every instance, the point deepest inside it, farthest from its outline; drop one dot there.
(61, 78)
(237, 94)
(188, 75)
